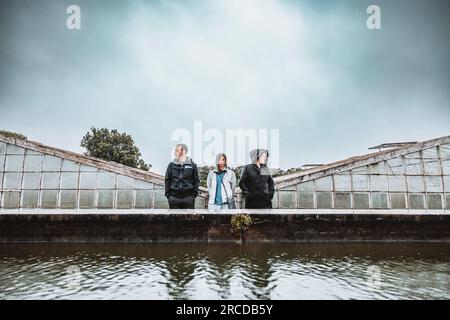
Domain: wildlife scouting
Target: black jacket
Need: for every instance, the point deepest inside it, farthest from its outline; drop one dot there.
(182, 179)
(254, 185)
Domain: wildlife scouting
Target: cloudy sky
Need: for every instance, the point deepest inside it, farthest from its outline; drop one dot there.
(311, 69)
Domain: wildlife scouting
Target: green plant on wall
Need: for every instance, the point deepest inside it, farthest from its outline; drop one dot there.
(240, 223)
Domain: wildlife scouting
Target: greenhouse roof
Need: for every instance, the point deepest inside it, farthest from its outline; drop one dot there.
(356, 161)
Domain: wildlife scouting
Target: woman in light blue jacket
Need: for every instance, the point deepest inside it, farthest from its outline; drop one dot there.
(221, 183)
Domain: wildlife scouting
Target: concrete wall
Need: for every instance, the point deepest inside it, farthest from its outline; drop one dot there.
(195, 227)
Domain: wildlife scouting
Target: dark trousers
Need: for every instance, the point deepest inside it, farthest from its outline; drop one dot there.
(258, 203)
(187, 202)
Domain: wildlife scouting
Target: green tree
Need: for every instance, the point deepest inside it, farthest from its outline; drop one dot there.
(203, 174)
(237, 172)
(112, 145)
(204, 171)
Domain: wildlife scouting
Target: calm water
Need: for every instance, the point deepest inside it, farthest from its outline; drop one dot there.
(225, 271)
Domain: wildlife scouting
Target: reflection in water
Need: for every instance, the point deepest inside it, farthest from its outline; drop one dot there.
(225, 271)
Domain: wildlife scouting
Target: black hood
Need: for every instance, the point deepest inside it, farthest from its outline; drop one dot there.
(256, 153)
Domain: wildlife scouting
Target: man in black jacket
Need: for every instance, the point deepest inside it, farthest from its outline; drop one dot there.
(256, 183)
(182, 180)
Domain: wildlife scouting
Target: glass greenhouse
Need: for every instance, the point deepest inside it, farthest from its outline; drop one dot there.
(415, 177)
(34, 176)
(410, 177)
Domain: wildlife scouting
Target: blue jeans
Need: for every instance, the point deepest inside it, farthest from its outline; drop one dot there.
(217, 207)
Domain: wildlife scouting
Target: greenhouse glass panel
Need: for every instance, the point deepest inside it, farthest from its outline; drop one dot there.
(395, 166)
(69, 180)
(124, 182)
(414, 166)
(199, 203)
(416, 200)
(31, 180)
(324, 184)
(144, 185)
(360, 182)
(306, 186)
(445, 151)
(342, 182)
(378, 183)
(85, 168)
(144, 199)
(14, 162)
(275, 204)
(324, 200)
(49, 199)
(106, 180)
(432, 166)
(434, 201)
(398, 200)
(447, 201)
(105, 199)
(2, 148)
(378, 168)
(88, 180)
(397, 183)
(33, 163)
(447, 183)
(431, 153)
(68, 199)
(287, 199)
(379, 200)
(12, 149)
(11, 199)
(32, 152)
(342, 200)
(361, 200)
(361, 170)
(306, 200)
(160, 199)
(446, 167)
(2, 162)
(68, 165)
(433, 184)
(12, 180)
(87, 199)
(30, 198)
(50, 180)
(124, 199)
(415, 183)
(51, 163)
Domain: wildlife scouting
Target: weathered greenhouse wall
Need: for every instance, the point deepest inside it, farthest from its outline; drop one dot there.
(418, 180)
(50, 179)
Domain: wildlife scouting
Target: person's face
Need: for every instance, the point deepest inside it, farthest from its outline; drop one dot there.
(263, 158)
(179, 152)
(221, 162)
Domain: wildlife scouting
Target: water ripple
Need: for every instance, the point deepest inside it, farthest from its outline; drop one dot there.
(219, 271)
